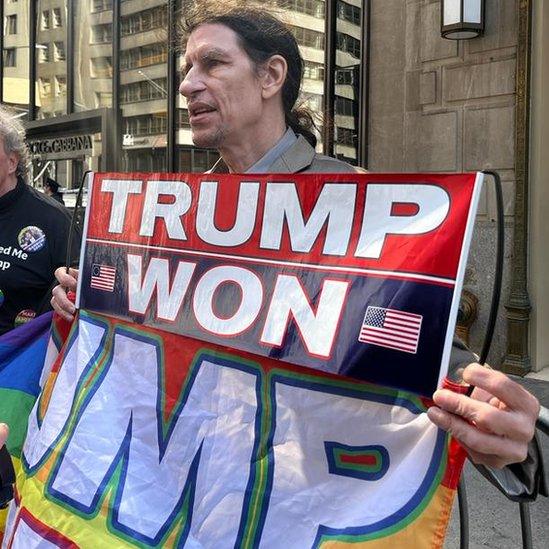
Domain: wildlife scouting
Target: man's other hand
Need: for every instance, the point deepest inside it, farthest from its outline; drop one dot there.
(60, 302)
(495, 424)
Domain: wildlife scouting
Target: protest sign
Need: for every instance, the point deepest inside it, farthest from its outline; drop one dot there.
(209, 394)
(358, 275)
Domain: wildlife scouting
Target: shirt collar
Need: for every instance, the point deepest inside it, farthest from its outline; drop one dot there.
(266, 161)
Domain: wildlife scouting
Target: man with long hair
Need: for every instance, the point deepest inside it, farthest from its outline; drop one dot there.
(242, 74)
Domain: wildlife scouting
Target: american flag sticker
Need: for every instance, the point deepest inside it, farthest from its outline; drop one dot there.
(391, 328)
(103, 277)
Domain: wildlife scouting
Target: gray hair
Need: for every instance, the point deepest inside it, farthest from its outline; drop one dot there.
(12, 133)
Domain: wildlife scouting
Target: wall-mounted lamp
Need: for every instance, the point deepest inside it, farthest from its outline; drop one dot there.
(462, 19)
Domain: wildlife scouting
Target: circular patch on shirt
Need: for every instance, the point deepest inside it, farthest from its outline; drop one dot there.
(26, 315)
(1, 298)
(31, 238)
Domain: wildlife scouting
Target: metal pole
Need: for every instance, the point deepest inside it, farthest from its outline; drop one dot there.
(32, 59)
(171, 144)
(69, 56)
(463, 515)
(525, 525)
(330, 45)
(117, 149)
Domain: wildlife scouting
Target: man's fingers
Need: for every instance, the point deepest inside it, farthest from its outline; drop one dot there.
(486, 417)
(484, 459)
(62, 304)
(510, 451)
(67, 280)
(499, 385)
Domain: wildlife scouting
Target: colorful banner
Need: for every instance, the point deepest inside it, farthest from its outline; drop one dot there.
(358, 275)
(22, 356)
(143, 438)
(200, 398)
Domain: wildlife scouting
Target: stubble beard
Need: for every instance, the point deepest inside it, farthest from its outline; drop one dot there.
(210, 140)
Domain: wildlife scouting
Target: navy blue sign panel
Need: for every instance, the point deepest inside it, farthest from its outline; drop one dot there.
(389, 330)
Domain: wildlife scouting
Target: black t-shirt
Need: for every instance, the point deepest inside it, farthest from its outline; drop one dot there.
(34, 231)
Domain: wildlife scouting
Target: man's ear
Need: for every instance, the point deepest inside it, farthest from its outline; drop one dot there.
(273, 75)
(13, 161)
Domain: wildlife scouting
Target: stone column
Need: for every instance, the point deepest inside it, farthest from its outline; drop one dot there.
(539, 187)
(517, 358)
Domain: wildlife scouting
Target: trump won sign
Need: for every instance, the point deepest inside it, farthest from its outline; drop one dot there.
(289, 267)
(212, 391)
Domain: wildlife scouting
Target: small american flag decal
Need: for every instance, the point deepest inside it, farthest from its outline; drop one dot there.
(103, 277)
(391, 328)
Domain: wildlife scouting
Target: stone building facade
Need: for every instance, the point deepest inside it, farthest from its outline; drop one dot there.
(438, 105)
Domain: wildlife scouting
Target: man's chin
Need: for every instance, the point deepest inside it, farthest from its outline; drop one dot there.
(206, 140)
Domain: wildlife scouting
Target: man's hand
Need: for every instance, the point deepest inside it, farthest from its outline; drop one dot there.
(495, 424)
(60, 302)
(4, 431)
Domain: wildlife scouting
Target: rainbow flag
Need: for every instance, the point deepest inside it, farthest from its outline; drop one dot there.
(150, 439)
(22, 355)
(26, 356)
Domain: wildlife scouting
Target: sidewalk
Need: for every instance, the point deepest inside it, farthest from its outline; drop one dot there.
(494, 521)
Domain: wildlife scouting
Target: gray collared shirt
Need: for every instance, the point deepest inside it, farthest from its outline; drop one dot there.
(267, 160)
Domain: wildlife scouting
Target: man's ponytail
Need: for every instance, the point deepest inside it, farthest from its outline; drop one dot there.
(301, 121)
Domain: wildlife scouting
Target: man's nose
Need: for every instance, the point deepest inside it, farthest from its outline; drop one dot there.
(190, 84)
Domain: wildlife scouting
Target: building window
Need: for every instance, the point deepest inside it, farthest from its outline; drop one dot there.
(44, 85)
(346, 76)
(192, 159)
(153, 54)
(57, 21)
(59, 51)
(60, 85)
(348, 12)
(344, 106)
(144, 91)
(348, 44)
(101, 5)
(43, 53)
(316, 8)
(10, 26)
(9, 57)
(314, 71)
(346, 136)
(45, 24)
(143, 21)
(184, 118)
(101, 34)
(308, 37)
(147, 124)
(103, 99)
(101, 67)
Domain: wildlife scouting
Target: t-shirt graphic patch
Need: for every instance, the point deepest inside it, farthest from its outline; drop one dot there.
(31, 238)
